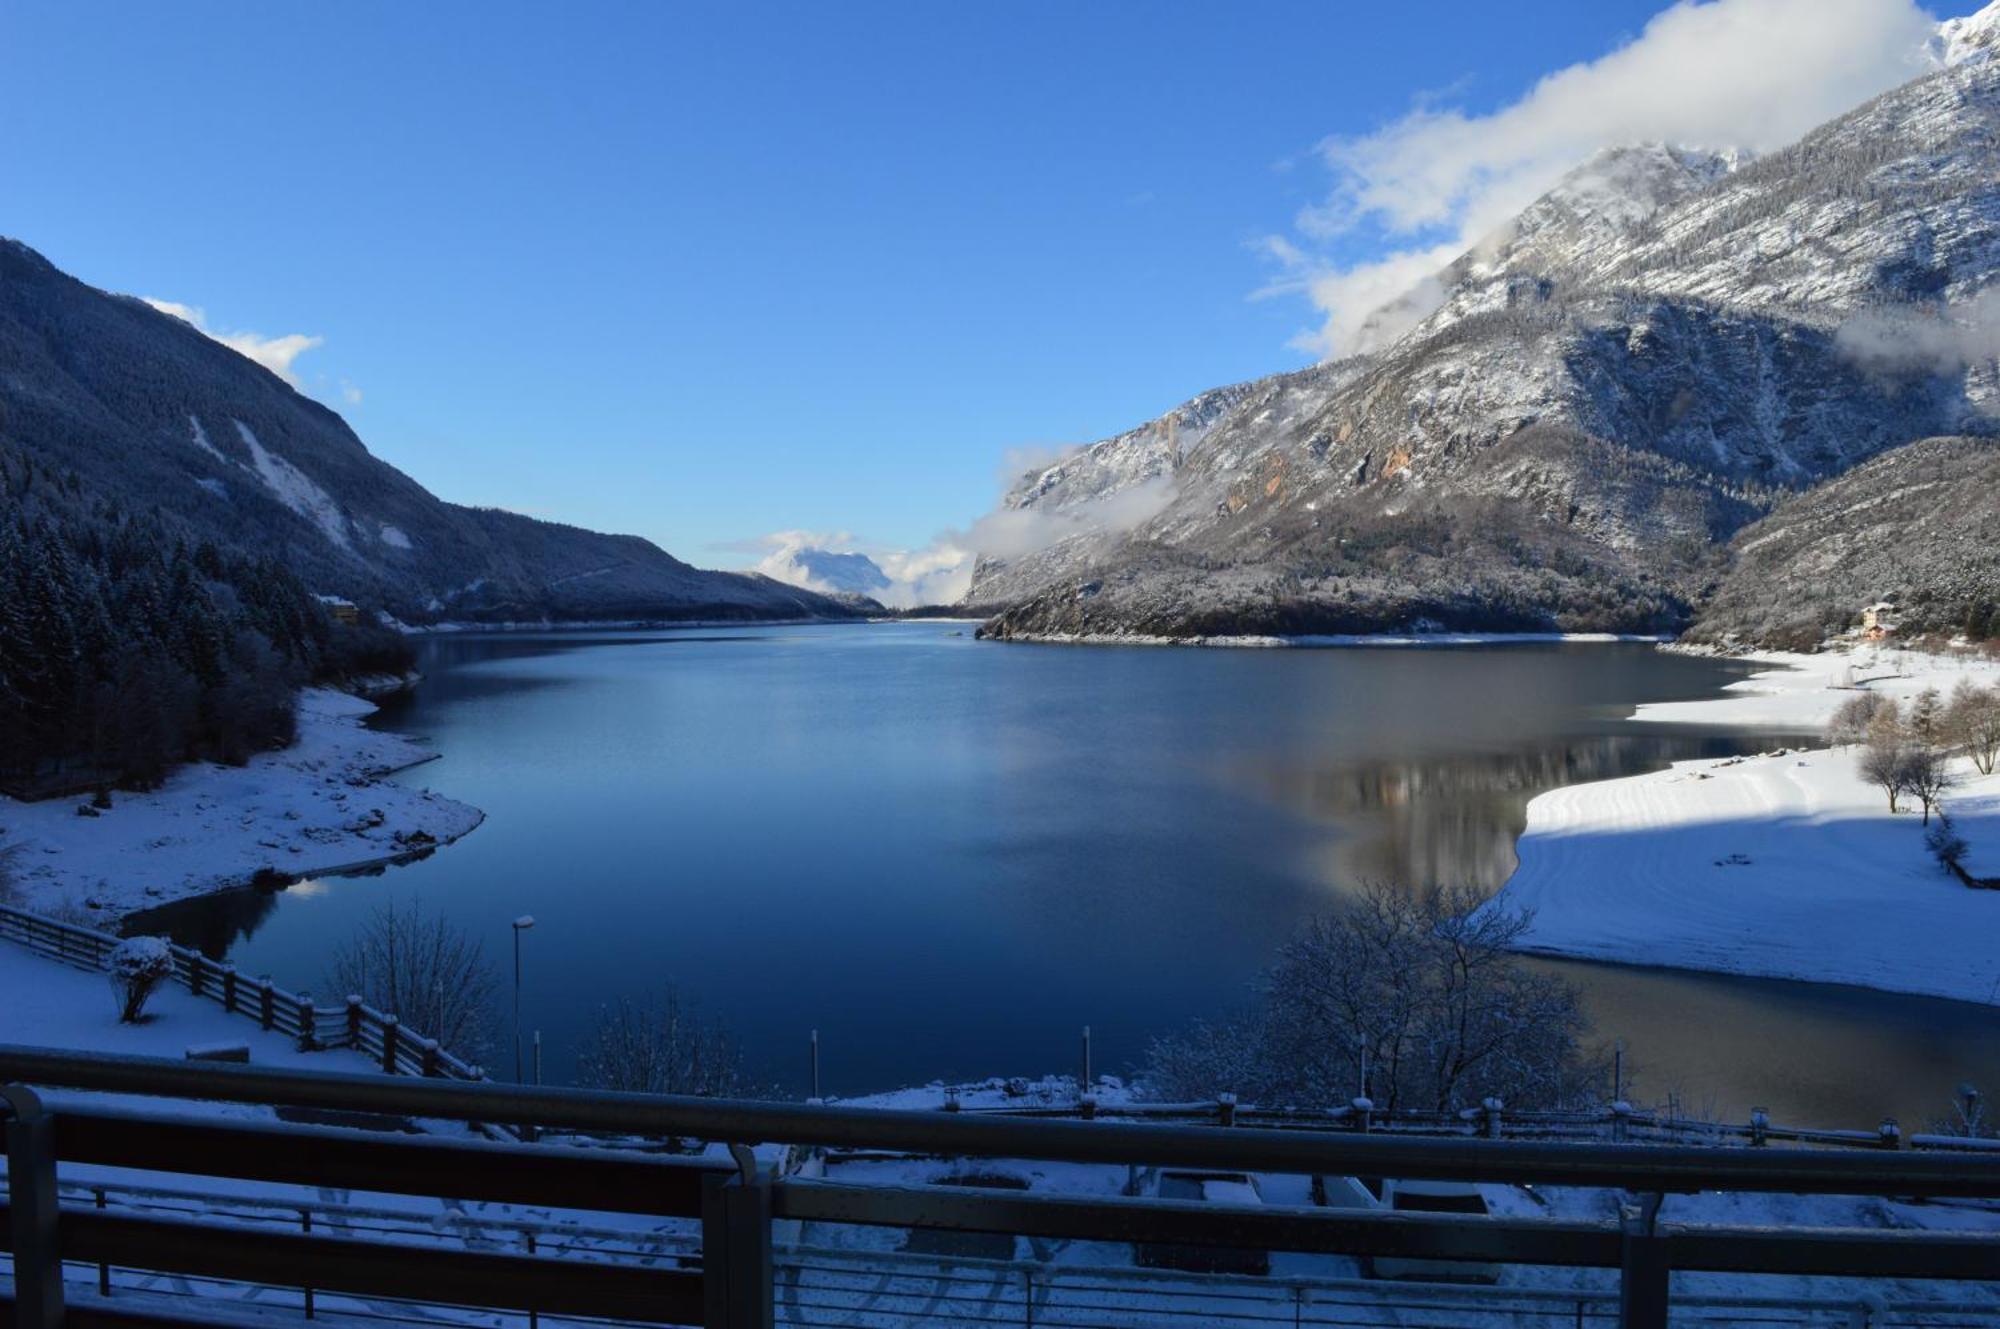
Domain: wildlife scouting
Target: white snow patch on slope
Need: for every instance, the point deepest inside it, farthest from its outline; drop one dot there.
(394, 537)
(201, 441)
(213, 486)
(295, 489)
(1786, 865)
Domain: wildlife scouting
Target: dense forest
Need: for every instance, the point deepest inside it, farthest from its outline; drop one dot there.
(127, 648)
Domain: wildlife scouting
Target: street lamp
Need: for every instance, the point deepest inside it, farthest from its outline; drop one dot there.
(521, 924)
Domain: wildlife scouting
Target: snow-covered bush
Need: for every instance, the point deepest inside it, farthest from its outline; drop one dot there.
(138, 965)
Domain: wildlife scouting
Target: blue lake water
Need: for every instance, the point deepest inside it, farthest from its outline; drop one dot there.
(948, 856)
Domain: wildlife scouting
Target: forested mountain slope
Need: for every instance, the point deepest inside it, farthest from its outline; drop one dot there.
(147, 412)
(1918, 527)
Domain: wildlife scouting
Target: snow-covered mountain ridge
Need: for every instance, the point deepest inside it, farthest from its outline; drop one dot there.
(1592, 402)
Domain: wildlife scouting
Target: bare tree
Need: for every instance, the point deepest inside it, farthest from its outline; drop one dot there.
(1926, 719)
(1850, 723)
(1884, 758)
(660, 1045)
(1972, 724)
(423, 969)
(1925, 775)
(1421, 988)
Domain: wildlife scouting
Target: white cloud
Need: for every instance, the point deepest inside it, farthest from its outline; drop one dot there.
(1704, 73)
(940, 573)
(274, 353)
(1014, 532)
(1912, 339)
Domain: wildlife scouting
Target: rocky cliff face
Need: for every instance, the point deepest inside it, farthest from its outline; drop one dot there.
(1592, 403)
(148, 413)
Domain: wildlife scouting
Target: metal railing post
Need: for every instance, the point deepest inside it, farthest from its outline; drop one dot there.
(740, 1215)
(33, 1209)
(1643, 1268)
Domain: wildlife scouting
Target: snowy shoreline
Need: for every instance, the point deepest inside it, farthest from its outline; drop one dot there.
(1783, 865)
(1257, 641)
(318, 808)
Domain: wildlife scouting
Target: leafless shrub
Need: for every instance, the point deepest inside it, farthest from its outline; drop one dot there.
(1850, 723)
(660, 1045)
(1421, 987)
(423, 969)
(1968, 1118)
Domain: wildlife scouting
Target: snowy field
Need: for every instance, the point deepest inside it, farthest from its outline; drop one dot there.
(319, 806)
(1786, 865)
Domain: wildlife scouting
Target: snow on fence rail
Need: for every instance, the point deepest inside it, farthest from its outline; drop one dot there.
(352, 1024)
(1620, 1122)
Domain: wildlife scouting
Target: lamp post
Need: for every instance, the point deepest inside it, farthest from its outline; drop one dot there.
(521, 924)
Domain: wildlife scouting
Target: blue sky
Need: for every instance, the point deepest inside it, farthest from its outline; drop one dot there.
(704, 272)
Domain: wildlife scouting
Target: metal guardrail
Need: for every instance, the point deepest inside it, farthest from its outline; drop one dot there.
(352, 1024)
(732, 1282)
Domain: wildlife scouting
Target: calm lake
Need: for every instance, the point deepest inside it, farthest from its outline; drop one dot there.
(948, 856)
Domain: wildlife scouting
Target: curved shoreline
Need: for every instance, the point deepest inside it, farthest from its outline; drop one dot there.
(1313, 641)
(321, 807)
(1784, 865)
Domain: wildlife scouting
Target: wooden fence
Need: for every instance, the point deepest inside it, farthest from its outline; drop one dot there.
(351, 1024)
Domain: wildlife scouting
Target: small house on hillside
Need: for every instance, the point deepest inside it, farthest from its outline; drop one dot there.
(343, 611)
(1878, 621)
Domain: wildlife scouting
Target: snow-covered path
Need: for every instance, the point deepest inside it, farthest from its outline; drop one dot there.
(1786, 865)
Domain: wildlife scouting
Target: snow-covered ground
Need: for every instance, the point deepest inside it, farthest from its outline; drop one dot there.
(1785, 865)
(319, 806)
(47, 1004)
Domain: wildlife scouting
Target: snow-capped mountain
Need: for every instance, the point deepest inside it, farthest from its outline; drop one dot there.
(1586, 406)
(148, 412)
(827, 571)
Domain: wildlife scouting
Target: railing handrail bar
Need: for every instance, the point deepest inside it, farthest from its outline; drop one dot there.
(1642, 1167)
